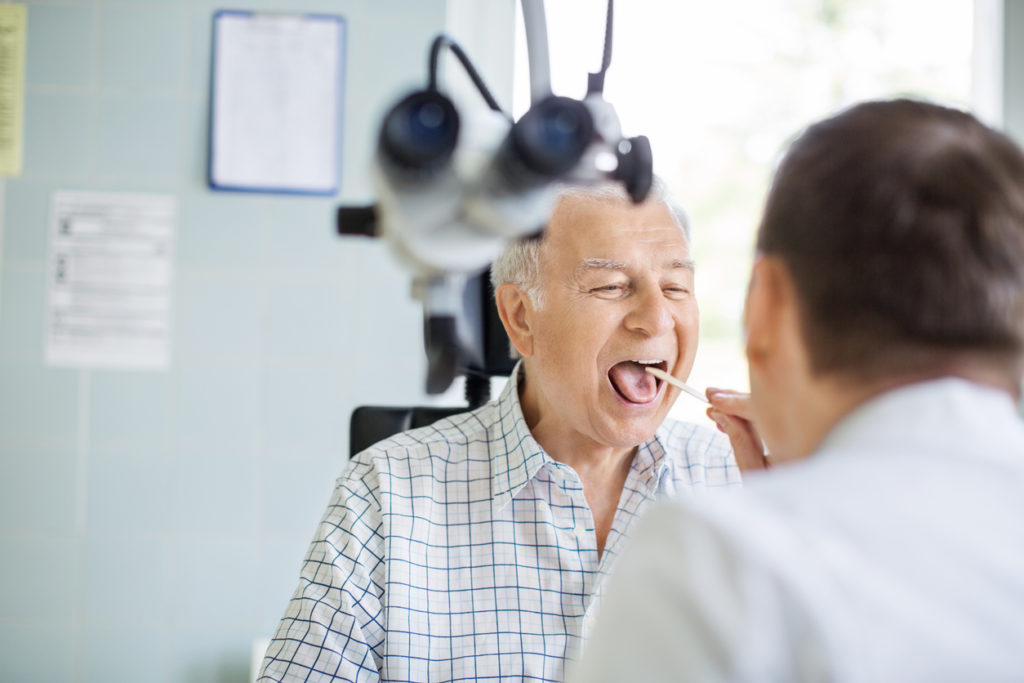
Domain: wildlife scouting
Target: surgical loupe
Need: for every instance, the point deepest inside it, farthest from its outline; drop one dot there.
(453, 189)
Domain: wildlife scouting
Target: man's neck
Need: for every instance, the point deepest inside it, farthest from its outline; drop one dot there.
(583, 454)
(587, 458)
(602, 469)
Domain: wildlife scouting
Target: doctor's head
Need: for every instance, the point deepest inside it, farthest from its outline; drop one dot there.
(891, 250)
(608, 288)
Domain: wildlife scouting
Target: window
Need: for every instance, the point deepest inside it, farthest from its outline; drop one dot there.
(721, 87)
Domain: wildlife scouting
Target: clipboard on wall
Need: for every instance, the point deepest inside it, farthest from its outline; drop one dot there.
(275, 102)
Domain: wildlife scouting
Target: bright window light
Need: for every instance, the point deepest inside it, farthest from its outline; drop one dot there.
(721, 87)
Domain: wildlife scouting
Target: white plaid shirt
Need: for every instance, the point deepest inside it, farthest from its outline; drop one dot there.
(462, 551)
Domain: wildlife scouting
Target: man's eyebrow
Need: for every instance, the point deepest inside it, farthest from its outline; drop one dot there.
(593, 263)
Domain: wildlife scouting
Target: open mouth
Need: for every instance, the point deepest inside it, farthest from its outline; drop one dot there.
(633, 383)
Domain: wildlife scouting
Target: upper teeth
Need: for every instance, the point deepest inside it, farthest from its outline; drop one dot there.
(648, 362)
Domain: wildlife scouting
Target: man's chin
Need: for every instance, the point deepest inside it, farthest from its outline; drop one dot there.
(628, 423)
(632, 433)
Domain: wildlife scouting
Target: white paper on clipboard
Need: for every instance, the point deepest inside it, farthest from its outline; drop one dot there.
(276, 102)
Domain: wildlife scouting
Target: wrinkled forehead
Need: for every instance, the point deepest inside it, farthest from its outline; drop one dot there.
(666, 263)
(598, 227)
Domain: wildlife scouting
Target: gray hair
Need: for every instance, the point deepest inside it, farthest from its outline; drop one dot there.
(519, 263)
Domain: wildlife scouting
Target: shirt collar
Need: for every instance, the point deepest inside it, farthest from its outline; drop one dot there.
(923, 413)
(517, 456)
(520, 457)
(651, 461)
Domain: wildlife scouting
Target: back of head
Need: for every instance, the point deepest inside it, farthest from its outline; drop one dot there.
(902, 224)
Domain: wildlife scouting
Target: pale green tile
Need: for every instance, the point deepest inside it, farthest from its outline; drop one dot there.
(212, 581)
(130, 653)
(124, 582)
(296, 491)
(308, 316)
(220, 408)
(38, 579)
(59, 49)
(128, 493)
(304, 410)
(214, 494)
(58, 134)
(220, 230)
(37, 653)
(38, 489)
(142, 47)
(138, 138)
(219, 315)
(22, 305)
(27, 220)
(130, 408)
(37, 403)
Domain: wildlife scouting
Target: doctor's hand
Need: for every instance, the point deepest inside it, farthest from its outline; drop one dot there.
(732, 412)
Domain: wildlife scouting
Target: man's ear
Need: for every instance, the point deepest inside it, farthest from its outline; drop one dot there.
(516, 313)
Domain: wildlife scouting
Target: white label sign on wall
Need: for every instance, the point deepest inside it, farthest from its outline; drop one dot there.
(111, 274)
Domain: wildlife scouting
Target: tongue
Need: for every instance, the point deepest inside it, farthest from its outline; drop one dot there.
(632, 382)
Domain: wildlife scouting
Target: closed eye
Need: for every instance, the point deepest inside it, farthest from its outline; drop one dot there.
(676, 291)
(610, 291)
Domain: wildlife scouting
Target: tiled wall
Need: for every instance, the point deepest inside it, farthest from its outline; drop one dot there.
(153, 523)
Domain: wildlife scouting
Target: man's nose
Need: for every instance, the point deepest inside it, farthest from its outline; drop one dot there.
(650, 313)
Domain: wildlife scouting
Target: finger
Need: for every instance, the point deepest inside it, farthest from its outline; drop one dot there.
(746, 444)
(713, 415)
(731, 403)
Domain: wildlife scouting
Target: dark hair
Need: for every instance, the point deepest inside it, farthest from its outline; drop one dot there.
(902, 223)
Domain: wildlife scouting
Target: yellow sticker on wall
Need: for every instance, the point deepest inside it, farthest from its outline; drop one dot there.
(12, 86)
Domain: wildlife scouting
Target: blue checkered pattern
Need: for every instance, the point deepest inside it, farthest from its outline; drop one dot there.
(462, 551)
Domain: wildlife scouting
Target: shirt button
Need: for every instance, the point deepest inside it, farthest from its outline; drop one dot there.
(581, 532)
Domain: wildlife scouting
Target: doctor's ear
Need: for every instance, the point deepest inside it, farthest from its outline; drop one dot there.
(770, 305)
(516, 312)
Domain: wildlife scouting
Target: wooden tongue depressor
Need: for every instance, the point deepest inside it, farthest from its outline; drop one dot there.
(661, 374)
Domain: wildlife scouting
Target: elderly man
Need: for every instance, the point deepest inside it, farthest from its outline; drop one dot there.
(476, 548)
(885, 339)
